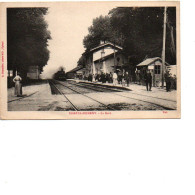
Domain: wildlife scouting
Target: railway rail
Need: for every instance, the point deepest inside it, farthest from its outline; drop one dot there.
(54, 83)
(87, 96)
(73, 106)
(118, 90)
(98, 89)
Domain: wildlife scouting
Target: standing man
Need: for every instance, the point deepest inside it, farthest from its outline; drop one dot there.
(167, 80)
(148, 80)
(111, 78)
(120, 75)
(127, 78)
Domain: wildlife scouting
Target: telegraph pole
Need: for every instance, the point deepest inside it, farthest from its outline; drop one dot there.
(114, 58)
(164, 41)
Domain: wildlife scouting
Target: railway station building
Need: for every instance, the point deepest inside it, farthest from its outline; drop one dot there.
(105, 58)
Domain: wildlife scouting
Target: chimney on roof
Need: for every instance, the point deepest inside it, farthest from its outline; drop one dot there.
(102, 42)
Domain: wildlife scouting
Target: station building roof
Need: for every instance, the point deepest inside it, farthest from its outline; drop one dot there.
(150, 61)
(106, 44)
(75, 69)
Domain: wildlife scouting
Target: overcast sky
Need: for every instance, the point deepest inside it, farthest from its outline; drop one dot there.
(68, 25)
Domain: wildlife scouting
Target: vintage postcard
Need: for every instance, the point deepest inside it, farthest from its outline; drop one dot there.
(90, 60)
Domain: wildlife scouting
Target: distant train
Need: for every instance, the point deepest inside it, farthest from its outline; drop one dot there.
(60, 75)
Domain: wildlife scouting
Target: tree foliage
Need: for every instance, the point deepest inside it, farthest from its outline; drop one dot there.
(101, 29)
(143, 31)
(27, 38)
(82, 61)
(138, 30)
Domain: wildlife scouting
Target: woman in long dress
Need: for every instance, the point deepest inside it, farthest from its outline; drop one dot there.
(18, 85)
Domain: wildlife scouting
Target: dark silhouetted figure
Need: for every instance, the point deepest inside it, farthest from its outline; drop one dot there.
(168, 80)
(148, 80)
(127, 78)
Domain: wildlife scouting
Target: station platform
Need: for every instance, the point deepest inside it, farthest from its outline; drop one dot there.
(36, 97)
(157, 92)
(29, 90)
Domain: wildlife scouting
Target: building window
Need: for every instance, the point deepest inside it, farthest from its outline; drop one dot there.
(157, 69)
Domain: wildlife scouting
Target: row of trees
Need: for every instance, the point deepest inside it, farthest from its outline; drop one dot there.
(27, 38)
(138, 30)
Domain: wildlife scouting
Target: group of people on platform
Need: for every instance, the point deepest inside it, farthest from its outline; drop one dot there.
(123, 78)
(115, 78)
(120, 77)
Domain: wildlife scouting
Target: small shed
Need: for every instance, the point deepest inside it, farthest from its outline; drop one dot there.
(155, 67)
(34, 72)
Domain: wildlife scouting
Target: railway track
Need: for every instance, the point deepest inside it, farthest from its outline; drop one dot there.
(76, 108)
(97, 88)
(73, 106)
(117, 90)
